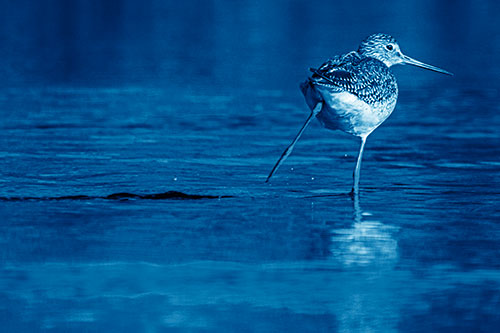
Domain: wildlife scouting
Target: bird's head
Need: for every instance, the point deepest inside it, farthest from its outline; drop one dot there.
(386, 49)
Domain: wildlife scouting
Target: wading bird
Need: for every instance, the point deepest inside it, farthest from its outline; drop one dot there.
(355, 92)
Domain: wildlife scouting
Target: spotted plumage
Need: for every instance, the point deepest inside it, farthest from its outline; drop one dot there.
(368, 79)
(355, 92)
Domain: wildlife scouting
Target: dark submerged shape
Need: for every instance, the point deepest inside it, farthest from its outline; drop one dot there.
(170, 195)
(355, 92)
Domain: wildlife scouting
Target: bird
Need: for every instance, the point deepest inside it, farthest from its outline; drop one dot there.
(355, 92)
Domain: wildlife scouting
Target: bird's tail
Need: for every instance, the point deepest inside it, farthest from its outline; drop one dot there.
(304, 86)
(310, 93)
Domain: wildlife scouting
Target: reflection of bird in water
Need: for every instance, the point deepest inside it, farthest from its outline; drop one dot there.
(367, 242)
(355, 92)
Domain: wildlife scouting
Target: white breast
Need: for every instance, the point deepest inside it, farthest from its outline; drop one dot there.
(346, 112)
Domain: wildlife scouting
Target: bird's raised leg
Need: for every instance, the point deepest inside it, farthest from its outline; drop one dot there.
(289, 149)
(355, 186)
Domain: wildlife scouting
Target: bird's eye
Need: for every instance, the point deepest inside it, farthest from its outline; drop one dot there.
(389, 47)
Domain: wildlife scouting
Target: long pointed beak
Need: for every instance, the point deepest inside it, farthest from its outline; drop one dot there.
(411, 61)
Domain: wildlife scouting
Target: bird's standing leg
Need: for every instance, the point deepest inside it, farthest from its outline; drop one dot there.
(355, 187)
(289, 149)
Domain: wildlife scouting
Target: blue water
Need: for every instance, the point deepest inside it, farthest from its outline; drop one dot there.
(107, 109)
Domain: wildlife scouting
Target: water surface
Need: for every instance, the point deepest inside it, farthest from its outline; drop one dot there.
(97, 131)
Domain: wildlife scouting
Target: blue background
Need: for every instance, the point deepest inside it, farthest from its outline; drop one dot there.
(201, 97)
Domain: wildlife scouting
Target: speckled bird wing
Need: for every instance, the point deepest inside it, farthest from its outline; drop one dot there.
(367, 78)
